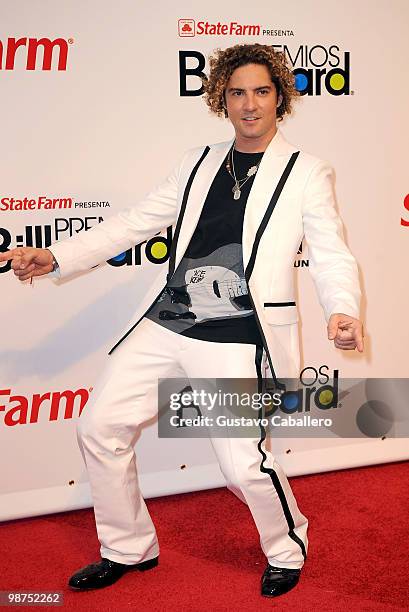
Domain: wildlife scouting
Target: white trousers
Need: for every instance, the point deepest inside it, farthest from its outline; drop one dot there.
(126, 396)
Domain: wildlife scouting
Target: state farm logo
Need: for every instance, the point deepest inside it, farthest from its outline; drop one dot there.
(186, 27)
(38, 203)
(13, 204)
(50, 406)
(26, 50)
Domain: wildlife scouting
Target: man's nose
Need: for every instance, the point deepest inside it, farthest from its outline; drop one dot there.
(250, 102)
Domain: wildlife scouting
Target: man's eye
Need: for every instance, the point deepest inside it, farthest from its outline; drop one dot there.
(237, 93)
(263, 92)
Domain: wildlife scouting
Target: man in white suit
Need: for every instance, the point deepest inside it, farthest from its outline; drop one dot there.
(240, 210)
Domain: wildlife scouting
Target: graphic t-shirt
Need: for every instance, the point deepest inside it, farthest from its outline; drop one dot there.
(207, 296)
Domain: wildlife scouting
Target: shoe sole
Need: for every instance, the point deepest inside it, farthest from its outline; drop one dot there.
(144, 565)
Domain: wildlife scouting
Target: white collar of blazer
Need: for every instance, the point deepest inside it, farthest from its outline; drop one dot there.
(271, 167)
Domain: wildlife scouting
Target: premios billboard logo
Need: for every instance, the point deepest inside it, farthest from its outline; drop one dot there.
(156, 250)
(317, 69)
(30, 51)
(316, 389)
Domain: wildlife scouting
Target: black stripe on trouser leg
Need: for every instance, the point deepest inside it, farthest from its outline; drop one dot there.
(273, 475)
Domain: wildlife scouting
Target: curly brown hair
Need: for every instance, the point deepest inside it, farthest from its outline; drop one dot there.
(225, 61)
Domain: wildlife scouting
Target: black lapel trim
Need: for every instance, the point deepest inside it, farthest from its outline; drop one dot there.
(173, 245)
(250, 265)
(172, 254)
(268, 213)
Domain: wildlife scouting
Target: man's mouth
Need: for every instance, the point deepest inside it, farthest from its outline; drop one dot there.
(250, 119)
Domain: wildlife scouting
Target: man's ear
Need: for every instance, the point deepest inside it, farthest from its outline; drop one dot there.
(279, 101)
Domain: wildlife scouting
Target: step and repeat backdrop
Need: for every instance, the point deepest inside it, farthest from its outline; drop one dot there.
(98, 101)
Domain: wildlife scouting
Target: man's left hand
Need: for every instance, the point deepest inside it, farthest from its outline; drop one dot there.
(346, 332)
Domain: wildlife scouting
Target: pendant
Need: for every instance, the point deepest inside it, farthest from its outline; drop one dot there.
(252, 170)
(236, 192)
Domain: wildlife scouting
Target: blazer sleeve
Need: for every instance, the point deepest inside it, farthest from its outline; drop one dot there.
(332, 266)
(120, 232)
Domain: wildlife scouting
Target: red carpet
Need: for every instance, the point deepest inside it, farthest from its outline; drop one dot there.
(210, 554)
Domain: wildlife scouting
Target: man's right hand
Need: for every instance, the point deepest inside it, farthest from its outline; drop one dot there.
(28, 261)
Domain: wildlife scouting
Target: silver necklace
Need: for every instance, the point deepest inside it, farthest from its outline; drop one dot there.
(238, 183)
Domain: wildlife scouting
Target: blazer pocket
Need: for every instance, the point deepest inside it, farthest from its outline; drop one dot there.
(280, 313)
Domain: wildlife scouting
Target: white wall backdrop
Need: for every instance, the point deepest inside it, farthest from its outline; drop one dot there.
(110, 126)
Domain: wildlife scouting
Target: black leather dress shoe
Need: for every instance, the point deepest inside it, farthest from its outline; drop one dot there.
(105, 572)
(278, 580)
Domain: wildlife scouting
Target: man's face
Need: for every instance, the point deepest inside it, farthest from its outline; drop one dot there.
(251, 102)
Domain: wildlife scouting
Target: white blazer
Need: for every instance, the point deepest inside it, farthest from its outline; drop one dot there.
(306, 207)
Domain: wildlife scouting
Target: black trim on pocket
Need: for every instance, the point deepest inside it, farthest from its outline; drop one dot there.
(272, 304)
